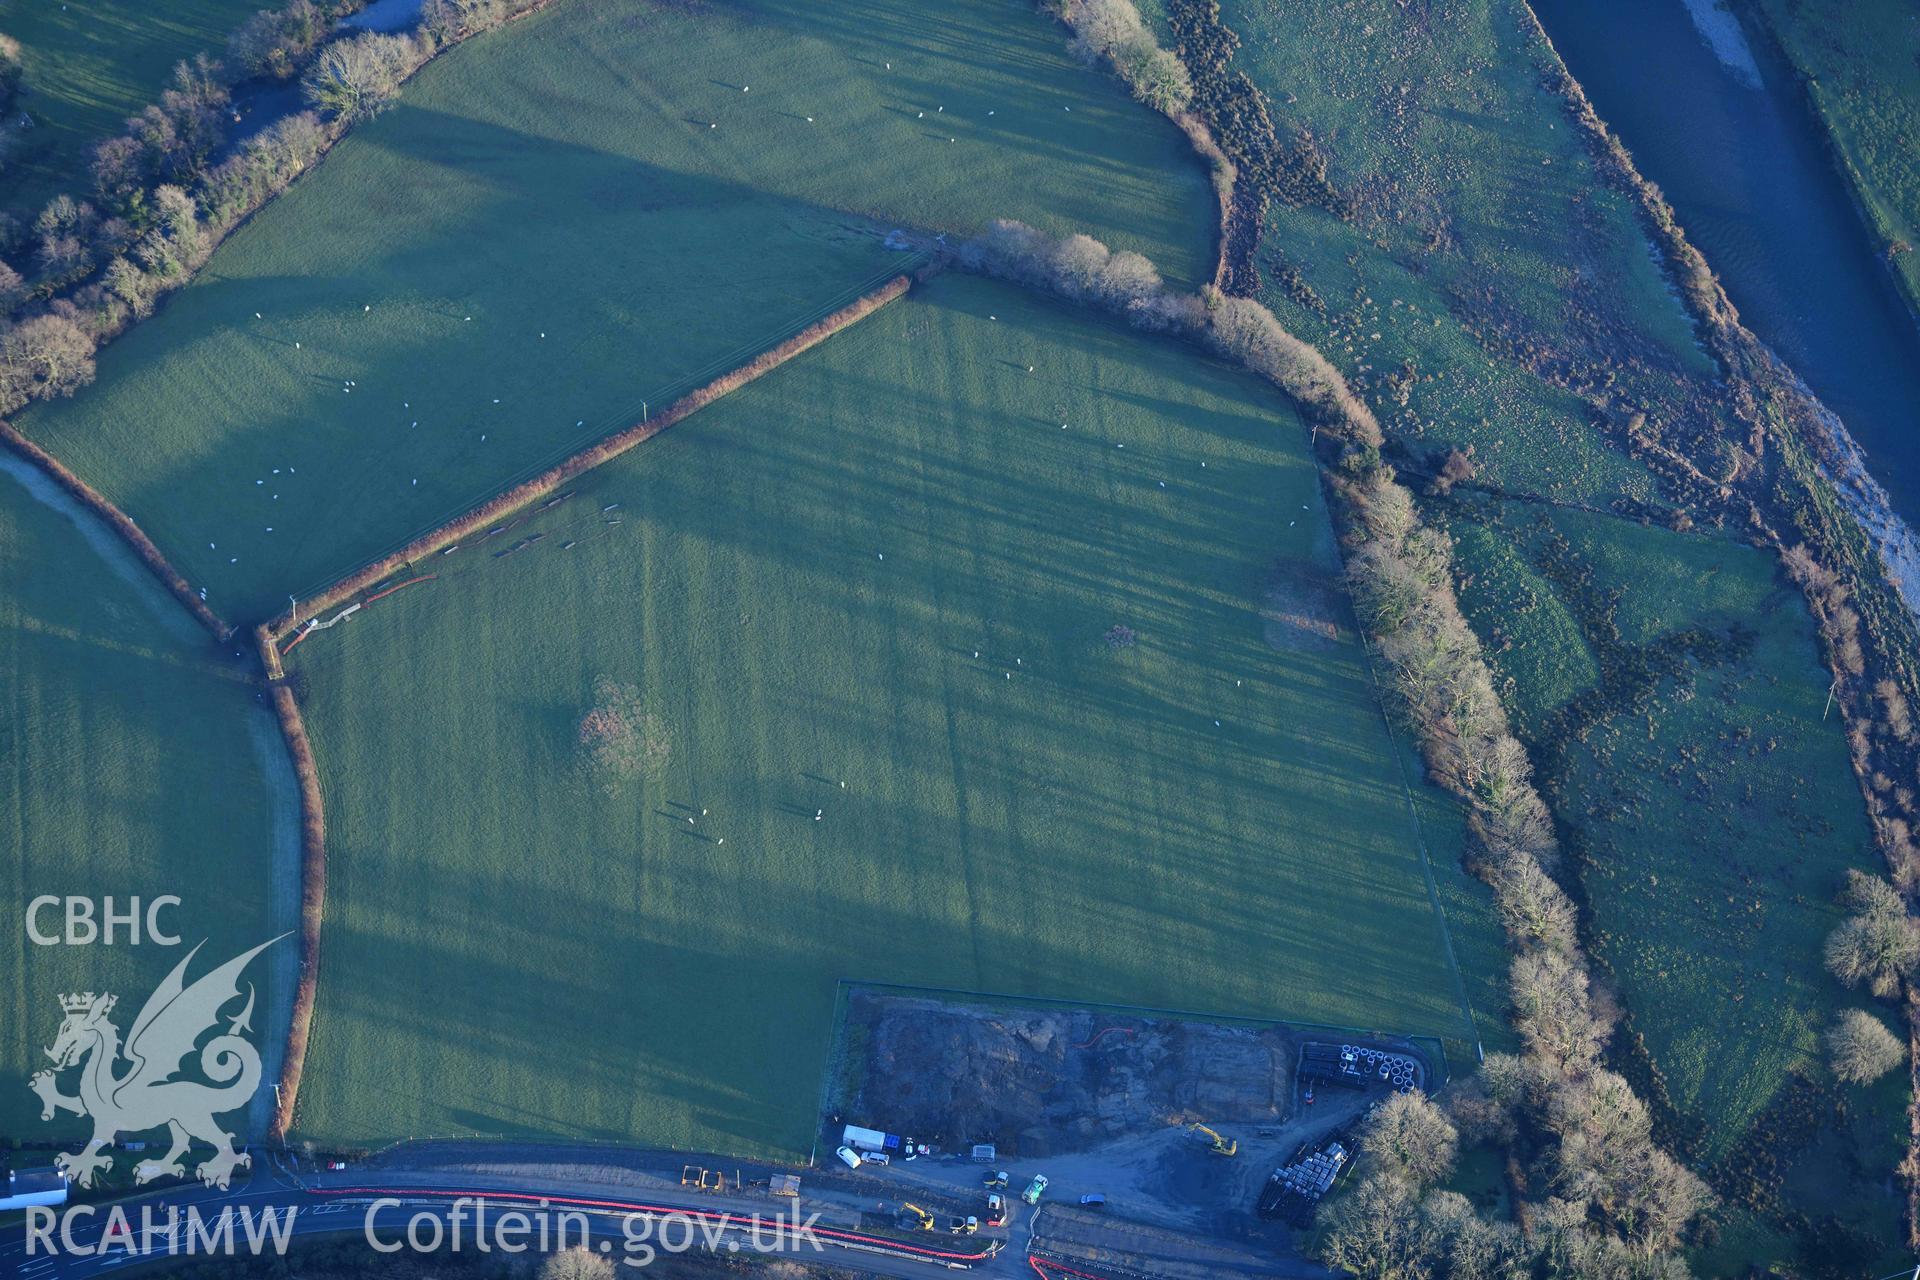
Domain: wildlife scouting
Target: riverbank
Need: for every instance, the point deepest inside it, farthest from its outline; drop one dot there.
(1748, 171)
(1796, 503)
(1884, 188)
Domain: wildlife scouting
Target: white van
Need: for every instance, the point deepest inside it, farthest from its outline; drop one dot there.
(849, 1157)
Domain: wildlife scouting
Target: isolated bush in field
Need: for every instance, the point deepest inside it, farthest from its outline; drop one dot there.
(1409, 1138)
(620, 740)
(1120, 636)
(1456, 468)
(1861, 1049)
(42, 357)
(357, 77)
(1879, 943)
(273, 42)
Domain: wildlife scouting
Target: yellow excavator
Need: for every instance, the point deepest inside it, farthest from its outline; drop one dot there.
(1221, 1146)
(913, 1217)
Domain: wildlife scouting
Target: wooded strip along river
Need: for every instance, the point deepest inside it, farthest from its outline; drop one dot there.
(1723, 128)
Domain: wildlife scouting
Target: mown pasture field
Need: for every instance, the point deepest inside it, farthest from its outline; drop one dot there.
(640, 184)
(1494, 295)
(86, 68)
(134, 760)
(888, 565)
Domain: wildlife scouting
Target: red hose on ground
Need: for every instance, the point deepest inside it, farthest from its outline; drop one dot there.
(296, 640)
(1060, 1267)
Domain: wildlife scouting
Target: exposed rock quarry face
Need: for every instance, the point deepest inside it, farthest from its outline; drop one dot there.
(1042, 1082)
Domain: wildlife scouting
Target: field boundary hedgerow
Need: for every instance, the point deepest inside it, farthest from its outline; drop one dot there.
(121, 523)
(1821, 538)
(313, 879)
(1112, 30)
(604, 450)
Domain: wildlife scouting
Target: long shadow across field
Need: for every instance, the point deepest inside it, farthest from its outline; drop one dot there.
(857, 570)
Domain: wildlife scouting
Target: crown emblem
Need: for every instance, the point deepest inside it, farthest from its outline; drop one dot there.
(80, 1003)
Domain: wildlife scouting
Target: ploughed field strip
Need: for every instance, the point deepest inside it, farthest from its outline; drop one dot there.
(564, 224)
(984, 646)
(1495, 296)
(133, 763)
(85, 69)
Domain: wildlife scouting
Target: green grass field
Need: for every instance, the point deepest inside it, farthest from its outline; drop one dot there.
(88, 66)
(1714, 826)
(1489, 273)
(802, 579)
(1861, 60)
(560, 177)
(133, 761)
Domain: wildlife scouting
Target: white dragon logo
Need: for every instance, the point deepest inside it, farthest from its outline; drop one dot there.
(147, 1096)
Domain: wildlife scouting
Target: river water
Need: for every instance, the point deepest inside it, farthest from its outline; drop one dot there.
(1719, 123)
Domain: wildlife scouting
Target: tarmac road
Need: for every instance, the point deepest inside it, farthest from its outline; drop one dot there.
(624, 1196)
(388, 1208)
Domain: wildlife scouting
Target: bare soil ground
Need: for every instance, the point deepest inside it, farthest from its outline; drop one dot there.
(1099, 1101)
(1040, 1081)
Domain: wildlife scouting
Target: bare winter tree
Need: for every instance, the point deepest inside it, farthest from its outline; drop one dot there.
(1409, 1138)
(45, 356)
(353, 79)
(620, 740)
(577, 1263)
(1879, 944)
(1861, 1049)
(1553, 1010)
